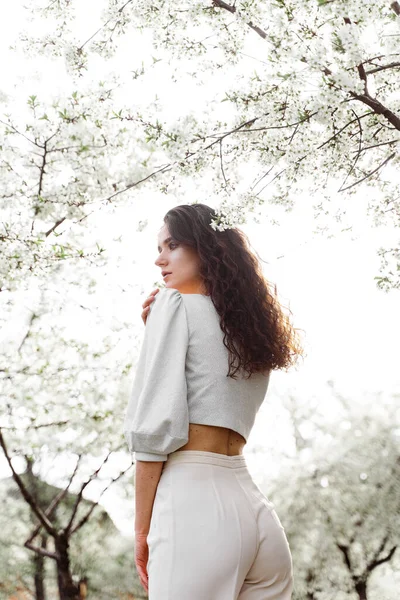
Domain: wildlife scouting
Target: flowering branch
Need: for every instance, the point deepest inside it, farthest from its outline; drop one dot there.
(232, 9)
(342, 189)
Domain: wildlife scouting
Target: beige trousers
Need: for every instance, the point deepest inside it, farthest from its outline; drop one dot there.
(214, 535)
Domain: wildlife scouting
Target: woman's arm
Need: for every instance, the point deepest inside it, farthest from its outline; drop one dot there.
(147, 476)
(147, 473)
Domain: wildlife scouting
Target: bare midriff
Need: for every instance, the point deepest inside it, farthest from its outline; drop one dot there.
(210, 438)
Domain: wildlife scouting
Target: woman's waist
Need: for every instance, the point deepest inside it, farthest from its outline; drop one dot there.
(213, 438)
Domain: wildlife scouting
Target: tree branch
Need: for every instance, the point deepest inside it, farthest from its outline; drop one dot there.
(386, 558)
(345, 551)
(378, 108)
(221, 161)
(23, 135)
(375, 562)
(342, 129)
(360, 139)
(42, 551)
(261, 178)
(80, 493)
(295, 124)
(369, 174)
(25, 493)
(389, 143)
(56, 224)
(232, 9)
(39, 426)
(396, 7)
(85, 518)
(105, 25)
(383, 68)
(49, 513)
(363, 77)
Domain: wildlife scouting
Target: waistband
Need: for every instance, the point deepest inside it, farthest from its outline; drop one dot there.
(210, 458)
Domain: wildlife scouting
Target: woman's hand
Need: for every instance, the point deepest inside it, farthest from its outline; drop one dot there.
(141, 559)
(146, 305)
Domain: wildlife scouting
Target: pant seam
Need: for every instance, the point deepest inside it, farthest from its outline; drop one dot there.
(254, 515)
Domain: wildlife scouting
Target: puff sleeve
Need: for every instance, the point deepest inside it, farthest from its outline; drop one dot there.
(157, 418)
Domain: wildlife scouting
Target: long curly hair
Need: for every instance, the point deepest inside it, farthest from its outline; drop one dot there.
(257, 332)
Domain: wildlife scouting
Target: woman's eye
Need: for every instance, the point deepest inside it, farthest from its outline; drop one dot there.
(173, 244)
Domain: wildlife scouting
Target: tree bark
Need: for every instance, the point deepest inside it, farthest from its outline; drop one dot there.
(39, 578)
(67, 589)
(38, 559)
(361, 589)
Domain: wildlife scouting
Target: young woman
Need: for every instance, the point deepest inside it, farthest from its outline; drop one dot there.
(203, 528)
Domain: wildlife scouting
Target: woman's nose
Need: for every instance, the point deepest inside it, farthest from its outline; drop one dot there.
(159, 261)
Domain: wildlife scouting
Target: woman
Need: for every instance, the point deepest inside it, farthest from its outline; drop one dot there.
(203, 528)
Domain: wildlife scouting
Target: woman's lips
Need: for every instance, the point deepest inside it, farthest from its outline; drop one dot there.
(166, 275)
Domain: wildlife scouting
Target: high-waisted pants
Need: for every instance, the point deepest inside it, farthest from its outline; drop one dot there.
(214, 535)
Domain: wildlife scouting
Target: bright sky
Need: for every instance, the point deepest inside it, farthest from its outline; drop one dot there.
(351, 328)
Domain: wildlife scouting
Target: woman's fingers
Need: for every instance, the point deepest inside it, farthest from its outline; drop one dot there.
(145, 586)
(144, 581)
(142, 558)
(146, 304)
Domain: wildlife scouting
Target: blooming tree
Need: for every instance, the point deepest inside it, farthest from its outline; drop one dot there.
(341, 510)
(99, 555)
(315, 111)
(296, 98)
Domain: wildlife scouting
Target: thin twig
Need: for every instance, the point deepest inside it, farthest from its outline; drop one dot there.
(79, 495)
(85, 518)
(369, 174)
(104, 25)
(359, 148)
(222, 166)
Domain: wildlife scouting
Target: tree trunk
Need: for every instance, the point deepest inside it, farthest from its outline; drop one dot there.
(39, 578)
(361, 589)
(38, 559)
(67, 589)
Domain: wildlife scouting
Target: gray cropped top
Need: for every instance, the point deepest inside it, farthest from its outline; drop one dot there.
(181, 378)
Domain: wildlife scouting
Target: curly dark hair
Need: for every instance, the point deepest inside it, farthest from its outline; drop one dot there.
(256, 330)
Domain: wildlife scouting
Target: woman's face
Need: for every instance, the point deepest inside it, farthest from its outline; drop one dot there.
(181, 262)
